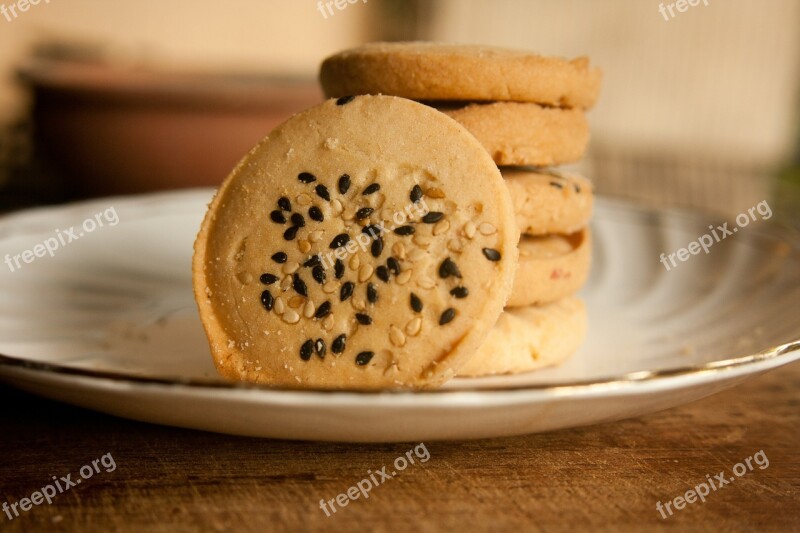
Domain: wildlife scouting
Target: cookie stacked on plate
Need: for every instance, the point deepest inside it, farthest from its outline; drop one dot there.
(528, 112)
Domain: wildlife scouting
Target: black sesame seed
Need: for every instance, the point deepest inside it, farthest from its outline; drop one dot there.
(319, 274)
(291, 233)
(279, 257)
(338, 269)
(383, 273)
(340, 240)
(373, 230)
(364, 212)
(312, 261)
(298, 220)
(322, 192)
(416, 303)
(364, 320)
(433, 217)
(491, 254)
(394, 265)
(339, 343)
(268, 279)
(556, 184)
(377, 247)
(267, 300)
(344, 183)
(306, 350)
(323, 310)
(416, 194)
(299, 285)
(447, 316)
(306, 177)
(364, 358)
(448, 268)
(277, 217)
(372, 293)
(284, 203)
(577, 188)
(371, 189)
(320, 348)
(345, 100)
(346, 291)
(315, 213)
(460, 292)
(404, 230)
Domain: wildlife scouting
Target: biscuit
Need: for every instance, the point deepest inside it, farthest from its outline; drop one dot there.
(547, 201)
(333, 257)
(550, 268)
(530, 338)
(525, 134)
(435, 71)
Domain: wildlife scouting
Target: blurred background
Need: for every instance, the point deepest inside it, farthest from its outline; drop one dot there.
(115, 97)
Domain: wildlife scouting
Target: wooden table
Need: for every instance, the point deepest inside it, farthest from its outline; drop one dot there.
(607, 477)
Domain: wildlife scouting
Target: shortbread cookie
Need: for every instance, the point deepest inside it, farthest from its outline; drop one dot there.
(333, 256)
(525, 134)
(551, 267)
(547, 202)
(530, 338)
(435, 71)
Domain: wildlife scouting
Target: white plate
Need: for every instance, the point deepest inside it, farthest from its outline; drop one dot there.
(109, 323)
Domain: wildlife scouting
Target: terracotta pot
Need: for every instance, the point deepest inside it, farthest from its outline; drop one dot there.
(117, 131)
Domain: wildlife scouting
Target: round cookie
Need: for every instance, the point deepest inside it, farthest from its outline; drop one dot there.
(547, 202)
(530, 338)
(551, 267)
(525, 134)
(333, 257)
(435, 71)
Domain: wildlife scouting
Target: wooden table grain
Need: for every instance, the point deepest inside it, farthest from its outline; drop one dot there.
(607, 477)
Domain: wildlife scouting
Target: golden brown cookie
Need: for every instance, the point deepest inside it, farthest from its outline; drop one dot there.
(332, 256)
(525, 134)
(551, 267)
(549, 201)
(530, 338)
(436, 71)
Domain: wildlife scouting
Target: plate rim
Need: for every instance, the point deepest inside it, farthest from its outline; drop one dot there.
(769, 358)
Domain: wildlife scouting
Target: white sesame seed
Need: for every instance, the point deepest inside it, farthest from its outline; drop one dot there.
(396, 336)
(290, 267)
(441, 227)
(365, 272)
(470, 229)
(316, 235)
(291, 317)
(309, 309)
(404, 276)
(304, 246)
(329, 287)
(279, 305)
(487, 229)
(304, 199)
(355, 262)
(414, 326)
(426, 282)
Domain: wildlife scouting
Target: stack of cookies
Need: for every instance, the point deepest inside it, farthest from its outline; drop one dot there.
(372, 241)
(528, 112)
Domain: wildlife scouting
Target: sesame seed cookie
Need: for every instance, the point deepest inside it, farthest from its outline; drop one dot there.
(525, 134)
(530, 338)
(551, 267)
(339, 253)
(549, 201)
(435, 71)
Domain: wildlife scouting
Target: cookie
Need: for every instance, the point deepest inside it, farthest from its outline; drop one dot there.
(530, 338)
(550, 268)
(525, 134)
(547, 202)
(333, 256)
(434, 71)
